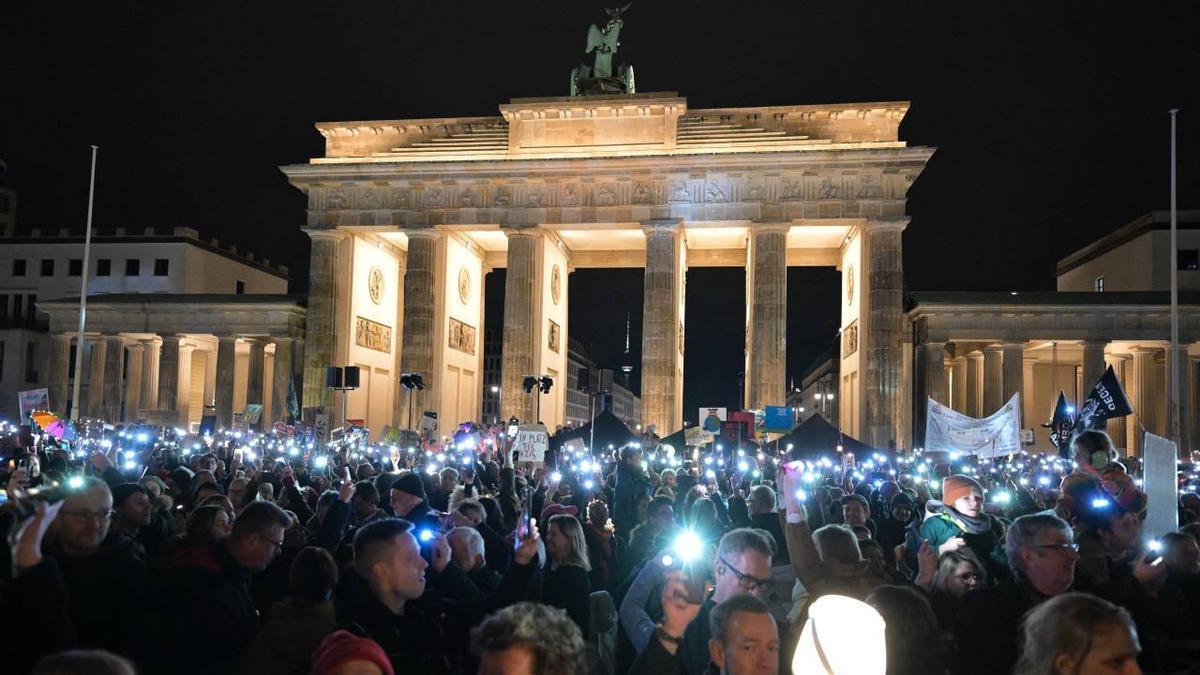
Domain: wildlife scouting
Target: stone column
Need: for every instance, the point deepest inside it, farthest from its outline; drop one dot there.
(417, 350)
(280, 377)
(520, 330)
(59, 375)
(256, 371)
(1180, 355)
(151, 362)
(95, 404)
(183, 401)
(226, 360)
(958, 368)
(993, 379)
(974, 384)
(1027, 411)
(1013, 364)
(168, 374)
(933, 355)
(321, 318)
(1143, 395)
(1191, 399)
(881, 354)
(114, 361)
(399, 400)
(1093, 364)
(660, 325)
(768, 316)
(1116, 427)
(133, 381)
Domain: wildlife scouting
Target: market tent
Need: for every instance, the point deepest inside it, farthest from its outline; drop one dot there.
(815, 435)
(609, 431)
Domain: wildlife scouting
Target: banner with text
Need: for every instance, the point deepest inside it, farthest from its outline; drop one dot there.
(531, 443)
(951, 431)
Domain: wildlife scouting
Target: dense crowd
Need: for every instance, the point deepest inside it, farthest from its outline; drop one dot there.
(155, 551)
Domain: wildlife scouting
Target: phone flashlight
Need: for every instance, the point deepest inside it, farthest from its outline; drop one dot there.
(321, 462)
(1154, 545)
(425, 535)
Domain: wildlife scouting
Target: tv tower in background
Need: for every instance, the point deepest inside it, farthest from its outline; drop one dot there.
(627, 368)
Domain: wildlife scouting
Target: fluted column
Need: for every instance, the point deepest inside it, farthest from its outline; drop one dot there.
(133, 381)
(151, 362)
(1029, 415)
(661, 326)
(59, 371)
(1191, 401)
(1143, 395)
(183, 401)
(417, 350)
(1014, 371)
(958, 396)
(226, 363)
(1116, 427)
(881, 351)
(256, 372)
(517, 355)
(974, 384)
(280, 376)
(321, 318)
(168, 373)
(1180, 355)
(768, 316)
(993, 379)
(399, 402)
(933, 355)
(96, 358)
(1093, 363)
(114, 361)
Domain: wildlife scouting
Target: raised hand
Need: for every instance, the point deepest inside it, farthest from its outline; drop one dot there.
(527, 547)
(26, 540)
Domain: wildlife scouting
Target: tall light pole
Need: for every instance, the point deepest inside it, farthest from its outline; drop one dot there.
(87, 253)
(499, 398)
(1174, 360)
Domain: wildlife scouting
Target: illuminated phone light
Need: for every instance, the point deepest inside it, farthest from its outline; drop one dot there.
(75, 482)
(555, 477)
(801, 495)
(426, 535)
(743, 467)
(589, 484)
(1101, 503)
(710, 474)
(1154, 545)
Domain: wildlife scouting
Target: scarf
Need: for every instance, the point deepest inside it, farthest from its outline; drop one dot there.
(980, 524)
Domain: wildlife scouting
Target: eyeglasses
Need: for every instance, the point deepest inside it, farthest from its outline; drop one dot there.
(1058, 547)
(751, 584)
(89, 515)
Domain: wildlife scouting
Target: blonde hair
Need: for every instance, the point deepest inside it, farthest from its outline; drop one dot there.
(577, 552)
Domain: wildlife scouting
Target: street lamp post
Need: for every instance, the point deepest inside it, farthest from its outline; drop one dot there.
(499, 399)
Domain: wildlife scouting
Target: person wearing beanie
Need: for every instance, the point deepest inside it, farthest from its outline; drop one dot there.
(958, 520)
(344, 653)
(856, 510)
(889, 532)
(408, 500)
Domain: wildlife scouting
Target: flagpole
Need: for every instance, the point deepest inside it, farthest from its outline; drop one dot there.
(1176, 426)
(87, 250)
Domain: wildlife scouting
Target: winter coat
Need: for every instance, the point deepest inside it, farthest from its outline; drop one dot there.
(432, 634)
(567, 587)
(204, 599)
(288, 638)
(943, 526)
(986, 630)
(97, 601)
(631, 483)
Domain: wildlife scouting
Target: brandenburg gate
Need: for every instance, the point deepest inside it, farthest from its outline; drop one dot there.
(407, 216)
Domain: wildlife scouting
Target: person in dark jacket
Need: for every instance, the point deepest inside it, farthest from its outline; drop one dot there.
(497, 550)
(134, 517)
(205, 596)
(296, 624)
(385, 597)
(566, 584)
(632, 482)
(1042, 558)
(85, 588)
(745, 637)
(408, 501)
(890, 531)
(467, 551)
(763, 516)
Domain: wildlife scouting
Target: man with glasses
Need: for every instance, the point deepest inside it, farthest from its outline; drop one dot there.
(86, 587)
(206, 598)
(742, 565)
(1042, 556)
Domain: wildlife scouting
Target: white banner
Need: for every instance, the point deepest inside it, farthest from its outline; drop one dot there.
(531, 443)
(1159, 457)
(998, 434)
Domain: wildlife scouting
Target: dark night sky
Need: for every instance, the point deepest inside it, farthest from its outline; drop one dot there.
(1049, 118)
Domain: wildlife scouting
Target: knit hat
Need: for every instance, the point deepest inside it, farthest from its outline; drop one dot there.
(855, 497)
(410, 483)
(555, 509)
(903, 498)
(958, 486)
(341, 647)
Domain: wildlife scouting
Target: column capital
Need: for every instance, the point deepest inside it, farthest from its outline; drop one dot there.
(976, 355)
(1117, 356)
(518, 230)
(767, 227)
(1013, 344)
(1093, 343)
(332, 235)
(662, 226)
(880, 224)
(1144, 351)
(422, 233)
(993, 349)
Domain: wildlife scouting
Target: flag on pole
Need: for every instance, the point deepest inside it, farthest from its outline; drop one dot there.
(1107, 400)
(1061, 425)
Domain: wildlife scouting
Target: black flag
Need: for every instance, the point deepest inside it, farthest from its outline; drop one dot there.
(1061, 425)
(1106, 401)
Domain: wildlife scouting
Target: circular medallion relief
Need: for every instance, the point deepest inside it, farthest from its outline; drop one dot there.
(849, 284)
(464, 284)
(375, 285)
(555, 284)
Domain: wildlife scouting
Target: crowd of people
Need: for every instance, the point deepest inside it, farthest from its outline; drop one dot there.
(155, 551)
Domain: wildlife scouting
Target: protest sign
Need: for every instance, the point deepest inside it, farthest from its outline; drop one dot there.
(992, 436)
(696, 436)
(711, 418)
(32, 399)
(1160, 481)
(531, 443)
(777, 419)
